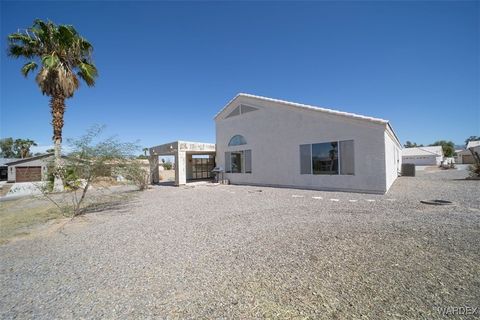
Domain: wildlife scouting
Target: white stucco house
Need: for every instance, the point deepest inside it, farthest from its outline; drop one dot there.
(423, 156)
(264, 141)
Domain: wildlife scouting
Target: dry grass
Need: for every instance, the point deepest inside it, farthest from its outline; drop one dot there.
(105, 182)
(22, 217)
(5, 188)
(19, 217)
(167, 175)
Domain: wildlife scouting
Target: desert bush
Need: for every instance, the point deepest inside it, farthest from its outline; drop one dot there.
(89, 160)
(134, 172)
(474, 170)
(167, 165)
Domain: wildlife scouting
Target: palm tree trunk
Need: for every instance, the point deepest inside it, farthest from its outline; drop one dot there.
(57, 105)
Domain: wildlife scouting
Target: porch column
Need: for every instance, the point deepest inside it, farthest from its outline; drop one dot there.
(154, 173)
(180, 168)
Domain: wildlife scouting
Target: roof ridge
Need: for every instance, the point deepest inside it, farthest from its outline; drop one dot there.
(306, 106)
(422, 148)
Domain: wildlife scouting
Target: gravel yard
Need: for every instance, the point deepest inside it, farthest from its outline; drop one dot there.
(251, 252)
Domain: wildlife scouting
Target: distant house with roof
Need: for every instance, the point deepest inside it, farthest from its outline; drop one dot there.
(465, 156)
(423, 156)
(29, 169)
(4, 167)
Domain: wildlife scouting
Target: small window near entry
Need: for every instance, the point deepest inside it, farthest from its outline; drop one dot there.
(237, 140)
(248, 161)
(325, 158)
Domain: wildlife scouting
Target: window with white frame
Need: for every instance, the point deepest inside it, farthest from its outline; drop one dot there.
(238, 161)
(328, 158)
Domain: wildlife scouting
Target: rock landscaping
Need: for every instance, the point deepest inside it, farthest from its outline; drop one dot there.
(227, 251)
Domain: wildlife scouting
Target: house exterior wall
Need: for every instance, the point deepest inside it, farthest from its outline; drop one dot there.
(275, 132)
(393, 159)
(43, 162)
(424, 160)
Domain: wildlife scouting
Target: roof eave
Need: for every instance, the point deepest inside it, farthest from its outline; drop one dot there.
(305, 107)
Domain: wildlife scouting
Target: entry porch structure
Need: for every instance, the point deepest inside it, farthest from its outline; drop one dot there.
(193, 160)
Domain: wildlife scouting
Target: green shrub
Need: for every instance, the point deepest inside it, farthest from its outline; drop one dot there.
(168, 165)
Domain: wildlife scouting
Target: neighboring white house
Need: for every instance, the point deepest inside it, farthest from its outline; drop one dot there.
(423, 156)
(465, 156)
(263, 141)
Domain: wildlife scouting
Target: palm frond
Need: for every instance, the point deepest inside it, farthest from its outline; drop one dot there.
(29, 66)
(17, 36)
(66, 36)
(85, 46)
(50, 60)
(72, 29)
(88, 72)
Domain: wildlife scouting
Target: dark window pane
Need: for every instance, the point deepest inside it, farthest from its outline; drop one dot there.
(248, 161)
(305, 159)
(236, 159)
(325, 158)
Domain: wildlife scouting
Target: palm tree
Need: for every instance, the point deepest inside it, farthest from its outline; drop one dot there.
(22, 147)
(145, 150)
(65, 56)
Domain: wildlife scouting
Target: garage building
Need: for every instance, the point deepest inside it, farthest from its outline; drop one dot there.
(29, 169)
(423, 156)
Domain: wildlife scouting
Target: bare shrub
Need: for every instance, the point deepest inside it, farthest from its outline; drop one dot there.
(474, 170)
(136, 173)
(91, 159)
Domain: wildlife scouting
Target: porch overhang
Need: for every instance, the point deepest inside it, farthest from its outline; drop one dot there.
(180, 150)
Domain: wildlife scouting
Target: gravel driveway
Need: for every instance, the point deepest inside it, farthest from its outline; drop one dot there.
(249, 252)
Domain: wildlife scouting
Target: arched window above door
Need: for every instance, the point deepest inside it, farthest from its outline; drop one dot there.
(237, 140)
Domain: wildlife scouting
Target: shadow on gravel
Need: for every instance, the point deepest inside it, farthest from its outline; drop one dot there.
(165, 184)
(119, 206)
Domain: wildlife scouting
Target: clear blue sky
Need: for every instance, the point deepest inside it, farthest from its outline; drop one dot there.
(166, 68)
